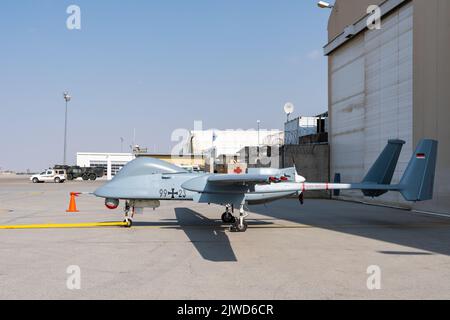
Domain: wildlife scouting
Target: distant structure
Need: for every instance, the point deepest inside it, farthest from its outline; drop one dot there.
(110, 162)
(230, 142)
(306, 147)
(230, 148)
(297, 129)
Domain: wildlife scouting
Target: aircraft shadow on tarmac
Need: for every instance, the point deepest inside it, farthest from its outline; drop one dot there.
(211, 243)
(396, 226)
(208, 236)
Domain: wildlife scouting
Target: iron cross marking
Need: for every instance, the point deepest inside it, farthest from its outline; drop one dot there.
(173, 193)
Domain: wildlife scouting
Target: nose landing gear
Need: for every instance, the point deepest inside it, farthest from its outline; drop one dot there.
(128, 217)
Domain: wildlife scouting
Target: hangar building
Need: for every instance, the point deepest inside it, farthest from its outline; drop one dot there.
(389, 83)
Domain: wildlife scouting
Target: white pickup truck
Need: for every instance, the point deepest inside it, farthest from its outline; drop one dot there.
(50, 175)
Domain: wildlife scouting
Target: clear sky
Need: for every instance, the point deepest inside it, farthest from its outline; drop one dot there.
(154, 66)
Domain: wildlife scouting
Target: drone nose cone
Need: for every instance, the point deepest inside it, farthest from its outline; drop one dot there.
(126, 188)
(104, 191)
(112, 189)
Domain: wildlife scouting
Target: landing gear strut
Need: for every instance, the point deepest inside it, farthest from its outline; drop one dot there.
(128, 218)
(227, 217)
(240, 225)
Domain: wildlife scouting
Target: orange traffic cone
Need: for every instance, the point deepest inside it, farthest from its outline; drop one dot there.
(72, 203)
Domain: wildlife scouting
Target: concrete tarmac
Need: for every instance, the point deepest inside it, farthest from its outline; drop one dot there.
(321, 250)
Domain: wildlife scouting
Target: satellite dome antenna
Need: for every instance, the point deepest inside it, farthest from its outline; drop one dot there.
(288, 109)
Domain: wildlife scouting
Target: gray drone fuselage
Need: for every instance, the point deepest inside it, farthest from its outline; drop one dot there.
(153, 179)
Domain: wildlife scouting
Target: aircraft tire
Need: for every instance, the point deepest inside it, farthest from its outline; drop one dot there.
(129, 223)
(242, 228)
(238, 228)
(228, 218)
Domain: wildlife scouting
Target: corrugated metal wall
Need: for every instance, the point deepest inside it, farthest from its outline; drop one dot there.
(372, 98)
(431, 91)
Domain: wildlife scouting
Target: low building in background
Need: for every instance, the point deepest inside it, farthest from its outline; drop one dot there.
(230, 142)
(235, 149)
(110, 162)
(298, 128)
(113, 162)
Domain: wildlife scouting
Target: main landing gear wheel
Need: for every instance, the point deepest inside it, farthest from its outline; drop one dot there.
(228, 218)
(237, 227)
(240, 225)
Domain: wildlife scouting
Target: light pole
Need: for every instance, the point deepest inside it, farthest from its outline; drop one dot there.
(324, 5)
(257, 148)
(67, 98)
(212, 158)
(121, 144)
(258, 122)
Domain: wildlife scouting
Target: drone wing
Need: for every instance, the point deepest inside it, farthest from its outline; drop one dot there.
(238, 179)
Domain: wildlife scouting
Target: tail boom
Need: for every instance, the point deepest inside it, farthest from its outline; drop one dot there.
(417, 181)
(348, 186)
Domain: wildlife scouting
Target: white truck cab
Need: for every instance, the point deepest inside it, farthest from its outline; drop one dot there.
(50, 175)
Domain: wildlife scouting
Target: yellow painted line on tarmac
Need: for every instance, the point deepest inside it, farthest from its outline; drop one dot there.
(65, 225)
(251, 226)
(36, 193)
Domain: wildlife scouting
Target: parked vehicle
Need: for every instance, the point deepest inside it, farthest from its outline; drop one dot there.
(86, 173)
(91, 173)
(50, 175)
